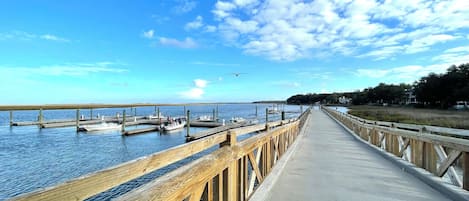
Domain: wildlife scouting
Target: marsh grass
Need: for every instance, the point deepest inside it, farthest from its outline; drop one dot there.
(433, 117)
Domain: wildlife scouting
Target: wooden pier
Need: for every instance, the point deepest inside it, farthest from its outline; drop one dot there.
(218, 170)
(309, 158)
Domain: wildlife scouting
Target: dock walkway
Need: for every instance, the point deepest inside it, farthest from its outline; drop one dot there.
(330, 164)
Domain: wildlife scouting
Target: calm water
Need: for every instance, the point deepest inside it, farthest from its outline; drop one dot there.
(31, 158)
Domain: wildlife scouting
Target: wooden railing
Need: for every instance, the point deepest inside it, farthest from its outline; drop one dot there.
(440, 151)
(232, 172)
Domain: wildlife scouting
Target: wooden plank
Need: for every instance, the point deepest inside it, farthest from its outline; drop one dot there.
(182, 180)
(445, 164)
(140, 131)
(220, 186)
(195, 196)
(454, 177)
(404, 148)
(210, 190)
(465, 171)
(92, 184)
(255, 166)
(253, 177)
(430, 158)
(232, 180)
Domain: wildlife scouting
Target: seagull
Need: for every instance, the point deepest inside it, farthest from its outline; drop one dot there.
(237, 74)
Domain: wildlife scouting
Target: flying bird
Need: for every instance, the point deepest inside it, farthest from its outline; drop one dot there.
(237, 74)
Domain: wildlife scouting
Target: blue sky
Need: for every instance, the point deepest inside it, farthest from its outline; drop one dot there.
(113, 51)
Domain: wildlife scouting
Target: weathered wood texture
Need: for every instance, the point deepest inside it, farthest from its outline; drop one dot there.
(422, 146)
(236, 167)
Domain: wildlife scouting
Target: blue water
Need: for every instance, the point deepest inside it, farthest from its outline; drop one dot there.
(32, 158)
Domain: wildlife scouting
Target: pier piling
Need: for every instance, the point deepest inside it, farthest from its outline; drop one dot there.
(11, 118)
(267, 118)
(123, 121)
(217, 111)
(214, 118)
(283, 115)
(158, 113)
(256, 110)
(188, 123)
(40, 118)
(91, 113)
(77, 124)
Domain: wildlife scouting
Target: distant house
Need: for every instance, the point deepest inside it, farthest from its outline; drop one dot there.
(344, 100)
(410, 96)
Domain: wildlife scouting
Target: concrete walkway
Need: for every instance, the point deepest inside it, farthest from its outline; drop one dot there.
(330, 164)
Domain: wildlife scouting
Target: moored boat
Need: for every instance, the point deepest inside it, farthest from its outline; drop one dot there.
(100, 127)
(174, 125)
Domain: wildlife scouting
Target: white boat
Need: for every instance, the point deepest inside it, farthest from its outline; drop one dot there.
(100, 127)
(205, 118)
(253, 121)
(155, 116)
(273, 110)
(174, 126)
(237, 120)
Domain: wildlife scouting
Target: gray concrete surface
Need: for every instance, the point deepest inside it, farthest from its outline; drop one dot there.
(329, 164)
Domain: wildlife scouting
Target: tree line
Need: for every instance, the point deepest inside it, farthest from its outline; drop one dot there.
(434, 90)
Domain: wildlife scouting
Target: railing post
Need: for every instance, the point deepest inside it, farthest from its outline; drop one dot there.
(465, 160)
(283, 115)
(91, 113)
(232, 168)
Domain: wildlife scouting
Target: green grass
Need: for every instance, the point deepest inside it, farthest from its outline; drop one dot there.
(433, 117)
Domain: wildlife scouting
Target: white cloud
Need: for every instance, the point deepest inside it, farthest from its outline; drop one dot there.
(197, 23)
(148, 34)
(210, 28)
(406, 74)
(197, 91)
(73, 69)
(286, 84)
(203, 63)
(25, 36)
(422, 44)
(54, 38)
(184, 6)
(455, 55)
(194, 93)
(290, 30)
(200, 83)
(186, 43)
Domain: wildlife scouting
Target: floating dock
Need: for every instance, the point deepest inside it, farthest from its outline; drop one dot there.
(140, 131)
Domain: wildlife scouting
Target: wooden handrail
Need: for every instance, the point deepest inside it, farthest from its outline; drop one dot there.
(430, 129)
(438, 154)
(94, 183)
(192, 182)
